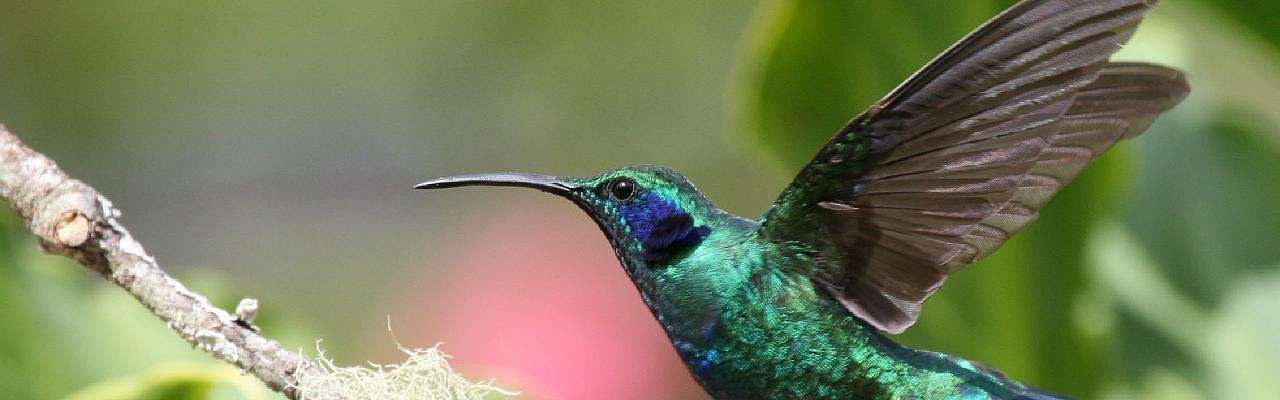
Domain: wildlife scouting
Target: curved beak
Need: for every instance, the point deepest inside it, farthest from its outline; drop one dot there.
(549, 184)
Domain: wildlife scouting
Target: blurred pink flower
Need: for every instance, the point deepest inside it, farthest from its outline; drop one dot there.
(534, 297)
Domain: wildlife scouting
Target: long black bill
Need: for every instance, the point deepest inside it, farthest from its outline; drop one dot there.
(549, 184)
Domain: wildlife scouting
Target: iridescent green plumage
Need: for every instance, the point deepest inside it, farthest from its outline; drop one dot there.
(748, 321)
(743, 312)
(933, 177)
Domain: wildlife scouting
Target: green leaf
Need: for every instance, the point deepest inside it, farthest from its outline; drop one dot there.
(1230, 351)
(1257, 17)
(30, 366)
(65, 329)
(1240, 352)
(1206, 206)
(179, 381)
(810, 66)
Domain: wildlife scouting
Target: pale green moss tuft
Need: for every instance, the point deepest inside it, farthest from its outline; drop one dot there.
(424, 375)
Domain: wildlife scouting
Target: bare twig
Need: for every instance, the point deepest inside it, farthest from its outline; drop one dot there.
(72, 219)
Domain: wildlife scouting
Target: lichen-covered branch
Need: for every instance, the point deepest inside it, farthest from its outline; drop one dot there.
(72, 219)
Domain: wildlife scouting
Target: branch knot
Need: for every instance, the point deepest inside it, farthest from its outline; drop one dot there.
(72, 219)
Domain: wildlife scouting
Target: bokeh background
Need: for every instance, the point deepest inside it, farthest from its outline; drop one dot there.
(265, 149)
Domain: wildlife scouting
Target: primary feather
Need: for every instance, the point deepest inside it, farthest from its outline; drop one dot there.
(949, 165)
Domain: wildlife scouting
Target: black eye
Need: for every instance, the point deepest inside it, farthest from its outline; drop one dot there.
(622, 189)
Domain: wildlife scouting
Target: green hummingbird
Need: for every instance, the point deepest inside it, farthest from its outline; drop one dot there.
(932, 177)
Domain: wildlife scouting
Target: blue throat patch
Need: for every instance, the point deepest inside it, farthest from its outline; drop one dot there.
(662, 228)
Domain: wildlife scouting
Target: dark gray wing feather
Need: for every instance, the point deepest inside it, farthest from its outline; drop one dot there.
(945, 168)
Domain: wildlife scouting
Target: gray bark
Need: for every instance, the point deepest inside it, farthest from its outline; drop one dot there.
(71, 219)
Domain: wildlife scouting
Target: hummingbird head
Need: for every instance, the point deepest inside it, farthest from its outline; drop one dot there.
(652, 215)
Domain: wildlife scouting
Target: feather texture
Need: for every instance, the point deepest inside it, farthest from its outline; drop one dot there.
(950, 164)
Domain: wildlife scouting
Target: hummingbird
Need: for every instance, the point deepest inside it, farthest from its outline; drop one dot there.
(934, 176)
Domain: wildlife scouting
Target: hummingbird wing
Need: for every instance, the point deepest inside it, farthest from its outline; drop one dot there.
(944, 169)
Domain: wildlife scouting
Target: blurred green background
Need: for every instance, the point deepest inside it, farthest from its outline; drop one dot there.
(265, 149)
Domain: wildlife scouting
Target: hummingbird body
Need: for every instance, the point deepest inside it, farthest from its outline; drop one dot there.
(746, 319)
(933, 177)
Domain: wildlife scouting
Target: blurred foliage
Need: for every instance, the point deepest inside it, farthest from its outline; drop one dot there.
(177, 381)
(810, 66)
(1256, 16)
(64, 329)
(1199, 188)
(241, 134)
(273, 144)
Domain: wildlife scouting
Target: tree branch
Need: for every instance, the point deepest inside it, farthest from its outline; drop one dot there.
(72, 219)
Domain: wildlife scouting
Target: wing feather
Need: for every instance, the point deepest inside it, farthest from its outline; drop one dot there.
(953, 162)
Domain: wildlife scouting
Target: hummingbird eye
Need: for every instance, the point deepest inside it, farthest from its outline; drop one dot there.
(622, 189)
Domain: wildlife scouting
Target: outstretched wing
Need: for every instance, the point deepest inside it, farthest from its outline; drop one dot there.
(944, 169)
